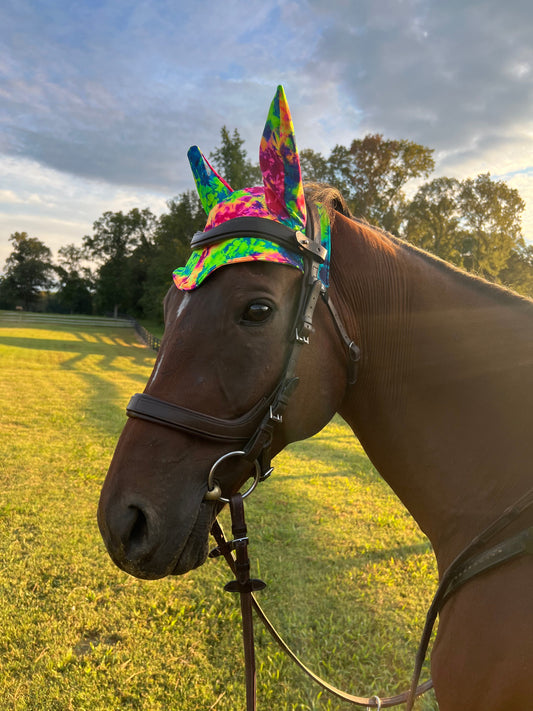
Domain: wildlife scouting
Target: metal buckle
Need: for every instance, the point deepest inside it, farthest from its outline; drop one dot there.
(275, 417)
(265, 476)
(304, 340)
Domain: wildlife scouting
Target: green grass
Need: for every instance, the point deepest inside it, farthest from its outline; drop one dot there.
(349, 574)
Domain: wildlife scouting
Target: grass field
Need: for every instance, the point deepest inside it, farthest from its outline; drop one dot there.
(349, 574)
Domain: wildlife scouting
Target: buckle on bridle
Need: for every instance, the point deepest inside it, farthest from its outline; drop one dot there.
(304, 340)
(274, 416)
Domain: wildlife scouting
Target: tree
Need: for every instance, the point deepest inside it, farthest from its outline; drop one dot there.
(171, 249)
(123, 245)
(372, 174)
(474, 223)
(28, 271)
(315, 168)
(491, 216)
(232, 164)
(75, 281)
(433, 219)
(518, 272)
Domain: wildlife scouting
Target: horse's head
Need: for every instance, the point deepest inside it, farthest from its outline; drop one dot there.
(229, 378)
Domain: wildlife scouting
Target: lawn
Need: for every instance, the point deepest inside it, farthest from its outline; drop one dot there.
(349, 574)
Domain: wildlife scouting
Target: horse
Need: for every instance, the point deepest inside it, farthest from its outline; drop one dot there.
(442, 405)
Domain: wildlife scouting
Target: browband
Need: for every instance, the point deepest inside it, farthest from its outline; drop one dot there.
(251, 226)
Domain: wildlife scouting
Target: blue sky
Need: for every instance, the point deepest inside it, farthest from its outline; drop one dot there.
(100, 99)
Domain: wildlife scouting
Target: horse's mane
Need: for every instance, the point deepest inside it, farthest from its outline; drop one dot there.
(335, 204)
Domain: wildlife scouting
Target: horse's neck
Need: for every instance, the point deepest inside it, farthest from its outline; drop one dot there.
(444, 403)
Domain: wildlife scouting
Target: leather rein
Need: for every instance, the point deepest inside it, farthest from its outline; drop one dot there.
(252, 434)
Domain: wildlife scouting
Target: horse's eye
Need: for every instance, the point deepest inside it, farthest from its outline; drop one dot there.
(257, 312)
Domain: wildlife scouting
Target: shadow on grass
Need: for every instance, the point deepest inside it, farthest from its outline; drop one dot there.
(94, 356)
(85, 347)
(318, 570)
(367, 574)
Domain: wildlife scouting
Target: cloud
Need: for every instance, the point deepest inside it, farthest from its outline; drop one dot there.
(10, 197)
(454, 76)
(449, 75)
(119, 90)
(100, 101)
(58, 208)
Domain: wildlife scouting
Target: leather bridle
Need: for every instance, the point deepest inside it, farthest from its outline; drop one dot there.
(252, 432)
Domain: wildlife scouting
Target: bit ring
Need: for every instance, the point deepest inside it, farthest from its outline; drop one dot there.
(214, 492)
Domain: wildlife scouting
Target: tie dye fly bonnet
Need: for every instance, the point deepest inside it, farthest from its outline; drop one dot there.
(280, 199)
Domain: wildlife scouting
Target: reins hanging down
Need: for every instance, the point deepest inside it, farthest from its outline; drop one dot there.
(469, 563)
(246, 586)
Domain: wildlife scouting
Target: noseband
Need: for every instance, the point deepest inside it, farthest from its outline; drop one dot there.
(252, 432)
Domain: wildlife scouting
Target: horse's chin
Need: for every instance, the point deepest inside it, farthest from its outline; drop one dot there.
(188, 562)
(194, 553)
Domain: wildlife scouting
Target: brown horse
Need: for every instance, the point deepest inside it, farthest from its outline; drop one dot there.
(443, 406)
(255, 359)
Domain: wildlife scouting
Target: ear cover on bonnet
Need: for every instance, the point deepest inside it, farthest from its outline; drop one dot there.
(280, 165)
(280, 198)
(211, 188)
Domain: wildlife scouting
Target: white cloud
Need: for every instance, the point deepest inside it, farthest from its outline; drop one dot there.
(9, 197)
(99, 103)
(58, 208)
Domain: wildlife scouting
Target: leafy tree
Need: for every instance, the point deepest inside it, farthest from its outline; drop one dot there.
(123, 245)
(28, 271)
(75, 281)
(518, 272)
(315, 168)
(372, 174)
(433, 219)
(474, 223)
(491, 216)
(231, 161)
(171, 249)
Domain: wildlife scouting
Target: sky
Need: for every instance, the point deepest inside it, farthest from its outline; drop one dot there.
(101, 99)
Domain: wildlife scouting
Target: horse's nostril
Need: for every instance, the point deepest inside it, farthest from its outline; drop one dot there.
(139, 528)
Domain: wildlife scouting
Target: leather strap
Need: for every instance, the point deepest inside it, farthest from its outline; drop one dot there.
(465, 561)
(244, 585)
(146, 407)
(511, 548)
(354, 352)
(224, 548)
(294, 240)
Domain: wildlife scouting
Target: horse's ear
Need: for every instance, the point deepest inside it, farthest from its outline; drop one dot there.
(212, 189)
(280, 165)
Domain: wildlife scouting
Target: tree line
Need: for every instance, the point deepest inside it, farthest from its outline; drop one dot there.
(125, 265)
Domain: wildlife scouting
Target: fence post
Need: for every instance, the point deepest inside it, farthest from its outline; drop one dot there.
(151, 341)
